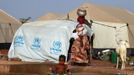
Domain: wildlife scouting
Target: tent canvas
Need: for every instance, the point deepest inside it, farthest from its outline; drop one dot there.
(8, 26)
(49, 16)
(108, 34)
(107, 14)
(42, 40)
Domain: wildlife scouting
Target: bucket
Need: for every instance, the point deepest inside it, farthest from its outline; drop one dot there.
(114, 57)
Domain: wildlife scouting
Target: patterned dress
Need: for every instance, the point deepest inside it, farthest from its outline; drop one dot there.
(79, 50)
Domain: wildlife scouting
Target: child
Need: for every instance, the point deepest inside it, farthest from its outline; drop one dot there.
(61, 68)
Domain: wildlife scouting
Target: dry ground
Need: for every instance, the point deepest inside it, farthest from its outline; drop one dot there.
(97, 67)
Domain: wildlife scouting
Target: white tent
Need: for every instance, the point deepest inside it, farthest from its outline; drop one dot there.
(42, 40)
(108, 34)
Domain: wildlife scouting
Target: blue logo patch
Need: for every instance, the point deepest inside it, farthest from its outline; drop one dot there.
(19, 41)
(56, 49)
(36, 44)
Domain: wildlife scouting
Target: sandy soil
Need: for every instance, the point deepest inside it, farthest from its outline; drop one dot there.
(99, 67)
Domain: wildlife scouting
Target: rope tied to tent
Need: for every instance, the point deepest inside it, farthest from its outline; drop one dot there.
(104, 25)
(108, 25)
(117, 28)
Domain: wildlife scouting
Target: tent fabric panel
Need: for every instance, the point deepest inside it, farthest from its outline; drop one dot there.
(107, 34)
(7, 33)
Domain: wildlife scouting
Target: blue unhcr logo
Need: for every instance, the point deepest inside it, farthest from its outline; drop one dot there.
(56, 47)
(19, 41)
(36, 44)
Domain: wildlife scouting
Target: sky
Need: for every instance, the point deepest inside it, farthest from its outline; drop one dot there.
(37, 8)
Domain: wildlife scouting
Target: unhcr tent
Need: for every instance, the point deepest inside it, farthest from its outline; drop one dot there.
(106, 16)
(42, 40)
(8, 26)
